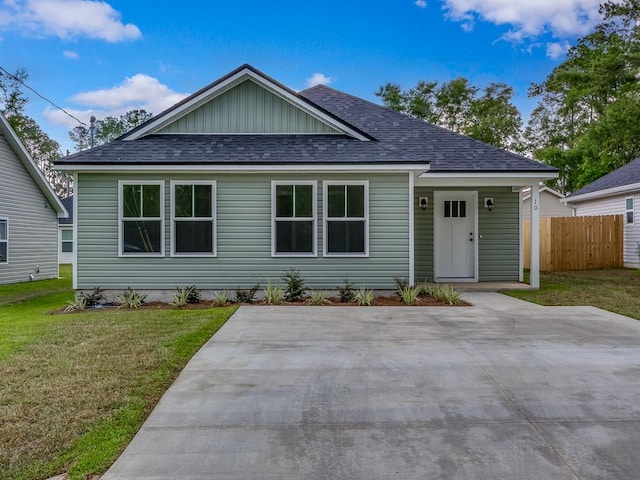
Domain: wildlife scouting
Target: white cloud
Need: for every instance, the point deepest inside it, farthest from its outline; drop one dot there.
(556, 50)
(71, 54)
(421, 3)
(137, 92)
(318, 79)
(66, 19)
(529, 18)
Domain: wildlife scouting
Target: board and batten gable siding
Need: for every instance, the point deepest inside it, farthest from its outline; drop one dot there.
(616, 206)
(32, 222)
(243, 236)
(498, 234)
(550, 206)
(247, 108)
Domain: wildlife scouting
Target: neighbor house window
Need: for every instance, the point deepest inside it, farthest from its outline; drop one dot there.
(4, 240)
(141, 218)
(293, 207)
(193, 218)
(346, 213)
(628, 215)
(66, 241)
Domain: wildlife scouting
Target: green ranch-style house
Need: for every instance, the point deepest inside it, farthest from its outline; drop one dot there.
(247, 178)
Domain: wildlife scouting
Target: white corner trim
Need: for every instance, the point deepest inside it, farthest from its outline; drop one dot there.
(412, 254)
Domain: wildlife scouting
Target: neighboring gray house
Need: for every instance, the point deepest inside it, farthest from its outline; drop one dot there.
(29, 212)
(246, 178)
(617, 193)
(551, 204)
(65, 233)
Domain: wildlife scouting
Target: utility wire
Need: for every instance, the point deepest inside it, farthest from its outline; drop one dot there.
(42, 97)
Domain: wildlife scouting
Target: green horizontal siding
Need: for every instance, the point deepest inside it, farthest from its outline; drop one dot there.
(247, 108)
(244, 237)
(498, 234)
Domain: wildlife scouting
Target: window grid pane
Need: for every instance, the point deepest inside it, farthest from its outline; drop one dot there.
(140, 236)
(67, 247)
(151, 200)
(194, 236)
(3, 252)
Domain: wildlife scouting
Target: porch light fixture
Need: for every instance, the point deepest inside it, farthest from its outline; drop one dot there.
(488, 203)
(424, 202)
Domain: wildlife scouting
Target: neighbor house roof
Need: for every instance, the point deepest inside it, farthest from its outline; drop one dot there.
(624, 179)
(30, 166)
(68, 204)
(369, 134)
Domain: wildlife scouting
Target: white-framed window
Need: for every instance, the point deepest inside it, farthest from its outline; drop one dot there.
(141, 218)
(4, 240)
(628, 212)
(346, 218)
(66, 240)
(193, 218)
(293, 218)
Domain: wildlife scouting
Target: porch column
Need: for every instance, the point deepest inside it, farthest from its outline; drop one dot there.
(534, 278)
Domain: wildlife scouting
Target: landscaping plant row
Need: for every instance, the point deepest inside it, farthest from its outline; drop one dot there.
(291, 290)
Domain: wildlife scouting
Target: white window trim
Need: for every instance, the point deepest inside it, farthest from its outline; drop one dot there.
(314, 201)
(627, 210)
(326, 219)
(213, 217)
(121, 184)
(62, 241)
(6, 240)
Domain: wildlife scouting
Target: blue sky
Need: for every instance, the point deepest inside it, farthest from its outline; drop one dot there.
(104, 58)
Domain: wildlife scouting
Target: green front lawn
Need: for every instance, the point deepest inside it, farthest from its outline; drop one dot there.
(75, 388)
(616, 290)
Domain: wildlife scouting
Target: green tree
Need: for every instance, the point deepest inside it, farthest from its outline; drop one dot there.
(484, 114)
(42, 148)
(586, 122)
(107, 129)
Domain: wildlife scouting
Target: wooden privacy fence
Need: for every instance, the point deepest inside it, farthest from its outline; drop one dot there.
(577, 243)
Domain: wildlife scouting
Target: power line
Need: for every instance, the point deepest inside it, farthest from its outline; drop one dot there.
(42, 96)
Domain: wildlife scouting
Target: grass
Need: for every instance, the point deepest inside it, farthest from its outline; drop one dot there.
(616, 290)
(75, 388)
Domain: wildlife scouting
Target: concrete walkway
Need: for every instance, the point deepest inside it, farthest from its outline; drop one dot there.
(501, 390)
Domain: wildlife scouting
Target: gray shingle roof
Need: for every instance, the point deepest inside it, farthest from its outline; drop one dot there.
(68, 204)
(626, 175)
(397, 139)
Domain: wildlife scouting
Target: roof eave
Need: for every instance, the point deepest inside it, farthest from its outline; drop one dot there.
(607, 192)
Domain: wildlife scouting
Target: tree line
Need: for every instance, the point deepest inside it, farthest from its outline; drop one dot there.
(586, 122)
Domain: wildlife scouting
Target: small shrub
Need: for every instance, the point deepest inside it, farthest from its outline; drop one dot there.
(294, 287)
(78, 303)
(363, 297)
(401, 284)
(444, 293)
(318, 297)
(409, 295)
(346, 291)
(221, 298)
(131, 299)
(94, 297)
(181, 297)
(247, 296)
(194, 295)
(426, 289)
(273, 294)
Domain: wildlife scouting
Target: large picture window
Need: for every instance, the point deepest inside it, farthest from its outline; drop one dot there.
(193, 218)
(293, 206)
(141, 218)
(346, 213)
(628, 213)
(4, 240)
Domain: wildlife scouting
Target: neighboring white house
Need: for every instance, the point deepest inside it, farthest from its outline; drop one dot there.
(29, 212)
(617, 193)
(550, 204)
(65, 233)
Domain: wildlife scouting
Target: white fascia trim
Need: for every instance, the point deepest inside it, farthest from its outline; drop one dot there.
(230, 82)
(609, 192)
(31, 167)
(175, 168)
(480, 179)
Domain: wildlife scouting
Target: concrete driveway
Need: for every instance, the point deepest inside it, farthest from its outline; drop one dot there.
(501, 390)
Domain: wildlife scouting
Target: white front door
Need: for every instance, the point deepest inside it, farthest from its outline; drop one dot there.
(455, 236)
